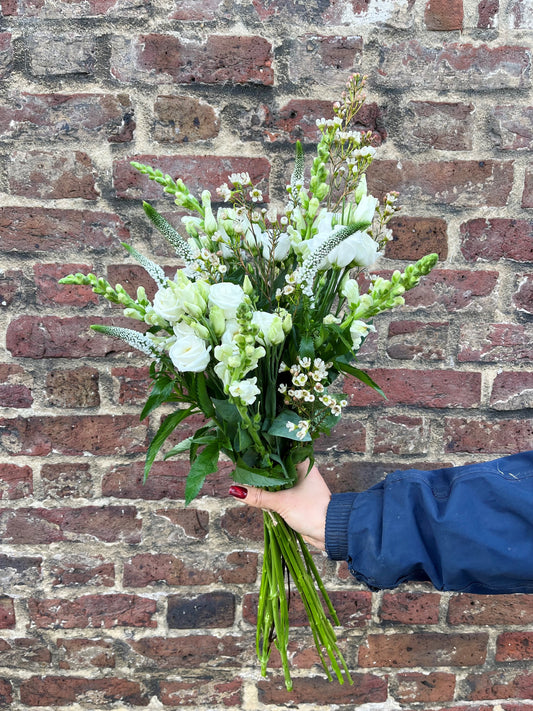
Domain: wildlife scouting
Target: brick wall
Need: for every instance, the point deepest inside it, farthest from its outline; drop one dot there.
(112, 594)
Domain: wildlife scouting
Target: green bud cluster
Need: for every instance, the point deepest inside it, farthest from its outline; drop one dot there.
(178, 189)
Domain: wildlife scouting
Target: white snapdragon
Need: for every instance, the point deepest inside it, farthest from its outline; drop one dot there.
(245, 390)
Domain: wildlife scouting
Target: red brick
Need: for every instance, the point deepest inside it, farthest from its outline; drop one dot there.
(38, 229)
(428, 388)
(20, 570)
(164, 58)
(527, 195)
(197, 172)
(74, 435)
(455, 290)
(500, 684)
(15, 482)
(212, 609)
(131, 276)
(499, 238)
(153, 569)
(467, 609)
(71, 570)
(444, 15)
(52, 53)
(6, 54)
(203, 691)
(452, 66)
(11, 281)
(52, 175)
(414, 237)
(7, 613)
(62, 480)
(417, 340)
(6, 692)
(482, 437)
(67, 116)
(445, 126)
(134, 384)
(512, 127)
(76, 388)
(62, 9)
(15, 386)
(400, 434)
(313, 56)
(366, 689)
(426, 649)
(193, 522)
(415, 687)
(242, 522)
(107, 611)
(348, 435)
(190, 652)
(79, 653)
(495, 343)
(24, 653)
(410, 608)
(488, 14)
(523, 296)
(512, 391)
(49, 292)
(514, 646)
(183, 119)
(63, 691)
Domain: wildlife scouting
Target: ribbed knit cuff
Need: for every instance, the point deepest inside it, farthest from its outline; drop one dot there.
(337, 517)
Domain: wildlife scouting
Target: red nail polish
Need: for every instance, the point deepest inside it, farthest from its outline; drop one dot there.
(239, 492)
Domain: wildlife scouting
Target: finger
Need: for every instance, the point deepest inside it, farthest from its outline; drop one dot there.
(258, 498)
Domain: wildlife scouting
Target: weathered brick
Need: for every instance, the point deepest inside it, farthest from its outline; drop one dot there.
(520, 15)
(190, 652)
(52, 175)
(67, 117)
(15, 482)
(410, 608)
(191, 10)
(133, 383)
(417, 340)
(487, 14)
(71, 570)
(15, 395)
(55, 54)
(447, 126)
(78, 653)
(416, 687)
(452, 66)
(514, 646)
(366, 689)
(441, 388)
(6, 692)
(414, 237)
(6, 54)
(499, 238)
(24, 652)
(212, 609)
(512, 127)
(63, 480)
(500, 684)
(203, 691)
(55, 337)
(512, 391)
(7, 613)
(401, 435)
(62, 9)
(523, 296)
(425, 649)
(397, 14)
(77, 525)
(462, 183)
(10, 284)
(73, 435)
(37, 229)
(183, 119)
(19, 570)
(164, 58)
(495, 342)
(348, 435)
(193, 522)
(50, 292)
(242, 522)
(197, 172)
(63, 691)
(444, 15)
(456, 290)
(482, 437)
(107, 611)
(527, 194)
(131, 276)
(313, 56)
(73, 388)
(467, 609)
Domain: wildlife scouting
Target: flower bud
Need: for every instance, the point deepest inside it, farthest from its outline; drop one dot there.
(217, 320)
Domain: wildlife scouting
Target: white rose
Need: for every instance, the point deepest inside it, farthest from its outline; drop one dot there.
(189, 354)
(245, 390)
(227, 297)
(168, 305)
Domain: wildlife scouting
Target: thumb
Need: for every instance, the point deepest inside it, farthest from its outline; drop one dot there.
(258, 498)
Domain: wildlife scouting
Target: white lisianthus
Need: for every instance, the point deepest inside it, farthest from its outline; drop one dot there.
(270, 326)
(245, 390)
(350, 291)
(189, 354)
(227, 297)
(359, 330)
(182, 330)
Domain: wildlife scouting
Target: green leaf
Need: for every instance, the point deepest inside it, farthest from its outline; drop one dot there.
(205, 402)
(243, 474)
(242, 440)
(359, 374)
(168, 425)
(205, 463)
(279, 426)
(226, 411)
(307, 347)
(181, 447)
(161, 392)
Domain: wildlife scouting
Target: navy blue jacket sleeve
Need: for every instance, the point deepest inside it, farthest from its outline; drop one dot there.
(467, 528)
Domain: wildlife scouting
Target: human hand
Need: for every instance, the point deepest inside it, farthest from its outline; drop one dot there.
(303, 507)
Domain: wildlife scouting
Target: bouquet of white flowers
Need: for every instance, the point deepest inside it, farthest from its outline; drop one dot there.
(253, 331)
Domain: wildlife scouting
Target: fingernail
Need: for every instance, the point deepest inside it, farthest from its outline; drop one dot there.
(239, 492)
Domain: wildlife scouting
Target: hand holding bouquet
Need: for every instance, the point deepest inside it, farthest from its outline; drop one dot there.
(253, 331)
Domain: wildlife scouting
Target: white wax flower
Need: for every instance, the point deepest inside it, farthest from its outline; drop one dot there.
(245, 390)
(190, 354)
(227, 297)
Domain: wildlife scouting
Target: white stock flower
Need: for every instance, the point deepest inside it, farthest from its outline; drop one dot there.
(358, 331)
(245, 390)
(227, 297)
(190, 354)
